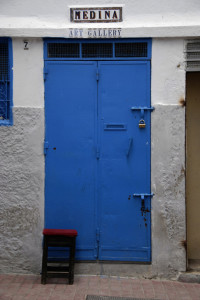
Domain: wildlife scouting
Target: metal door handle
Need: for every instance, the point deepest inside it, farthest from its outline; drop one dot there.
(130, 141)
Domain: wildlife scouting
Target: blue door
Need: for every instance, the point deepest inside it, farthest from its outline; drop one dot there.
(70, 105)
(98, 157)
(124, 162)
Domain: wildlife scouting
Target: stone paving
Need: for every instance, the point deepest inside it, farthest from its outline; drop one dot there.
(21, 287)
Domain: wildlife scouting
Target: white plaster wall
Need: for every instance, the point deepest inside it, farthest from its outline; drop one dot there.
(28, 85)
(22, 164)
(142, 18)
(47, 8)
(168, 156)
(168, 71)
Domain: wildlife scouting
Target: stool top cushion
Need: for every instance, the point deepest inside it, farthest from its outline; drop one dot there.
(67, 232)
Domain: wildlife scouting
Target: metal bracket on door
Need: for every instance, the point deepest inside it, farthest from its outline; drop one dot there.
(142, 109)
(142, 196)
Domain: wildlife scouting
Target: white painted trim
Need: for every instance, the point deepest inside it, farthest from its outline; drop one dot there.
(136, 32)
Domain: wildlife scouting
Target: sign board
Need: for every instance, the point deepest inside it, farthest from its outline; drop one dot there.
(96, 14)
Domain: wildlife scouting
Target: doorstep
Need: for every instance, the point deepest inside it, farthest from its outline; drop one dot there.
(114, 269)
(189, 277)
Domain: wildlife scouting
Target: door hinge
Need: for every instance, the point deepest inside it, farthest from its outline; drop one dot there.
(97, 75)
(45, 72)
(98, 234)
(98, 152)
(46, 147)
(96, 251)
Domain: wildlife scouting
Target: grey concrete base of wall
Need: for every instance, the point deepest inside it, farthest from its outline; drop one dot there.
(168, 185)
(22, 192)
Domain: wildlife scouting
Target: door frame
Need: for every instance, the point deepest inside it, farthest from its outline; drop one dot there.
(80, 58)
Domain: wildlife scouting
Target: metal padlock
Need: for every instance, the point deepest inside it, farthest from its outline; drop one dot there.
(142, 124)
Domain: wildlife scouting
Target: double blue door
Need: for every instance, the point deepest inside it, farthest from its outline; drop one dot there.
(98, 158)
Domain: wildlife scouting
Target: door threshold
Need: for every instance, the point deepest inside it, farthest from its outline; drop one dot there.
(113, 268)
(114, 262)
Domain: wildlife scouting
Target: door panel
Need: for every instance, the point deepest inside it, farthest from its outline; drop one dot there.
(71, 97)
(124, 161)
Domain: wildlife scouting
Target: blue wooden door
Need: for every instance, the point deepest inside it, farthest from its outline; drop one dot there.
(97, 157)
(124, 162)
(70, 102)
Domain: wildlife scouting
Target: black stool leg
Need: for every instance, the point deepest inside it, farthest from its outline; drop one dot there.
(71, 261)
(44, 261)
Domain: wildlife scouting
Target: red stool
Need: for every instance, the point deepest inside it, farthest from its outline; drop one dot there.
(58, 238)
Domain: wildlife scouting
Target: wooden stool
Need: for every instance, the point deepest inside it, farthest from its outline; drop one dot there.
(58, 238)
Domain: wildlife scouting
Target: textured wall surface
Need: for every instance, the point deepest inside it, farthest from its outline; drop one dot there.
(22, 191)
(168, 156)
(168, 185)
(167, 71)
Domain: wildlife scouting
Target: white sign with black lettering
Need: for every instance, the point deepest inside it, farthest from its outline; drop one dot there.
(92, 14)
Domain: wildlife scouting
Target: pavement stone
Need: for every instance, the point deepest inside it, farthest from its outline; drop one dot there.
(22, 287)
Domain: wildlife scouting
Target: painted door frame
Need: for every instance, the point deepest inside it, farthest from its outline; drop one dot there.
(100, 59)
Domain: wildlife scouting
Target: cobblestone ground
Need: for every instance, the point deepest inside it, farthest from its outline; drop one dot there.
(20, 287)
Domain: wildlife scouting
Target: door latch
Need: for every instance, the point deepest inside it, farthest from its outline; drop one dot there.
(142, 109)
(46, 147)
(142, 196)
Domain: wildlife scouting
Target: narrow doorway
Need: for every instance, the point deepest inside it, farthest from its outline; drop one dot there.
(193, 168)
(98, 146)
